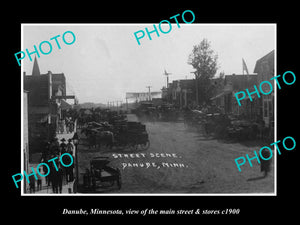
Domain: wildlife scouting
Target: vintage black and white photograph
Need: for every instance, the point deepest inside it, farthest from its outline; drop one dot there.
(148, 109)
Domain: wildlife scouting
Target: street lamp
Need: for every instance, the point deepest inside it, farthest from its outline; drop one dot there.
(76, 142)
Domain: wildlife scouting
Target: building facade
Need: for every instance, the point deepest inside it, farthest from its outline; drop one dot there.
(181, 93)
(265, 69)
(25, 137)
(44, 109)
(227, 102)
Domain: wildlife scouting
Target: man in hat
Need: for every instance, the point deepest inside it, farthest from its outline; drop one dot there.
(59, 178)
(70, 146)
(63, 146)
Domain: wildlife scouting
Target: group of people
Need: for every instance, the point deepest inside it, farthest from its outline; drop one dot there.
(66, 125)
(55, 178)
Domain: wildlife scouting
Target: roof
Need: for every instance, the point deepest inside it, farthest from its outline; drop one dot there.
(58, 79)
(65, 105)
(240, 82)
(187, 83)
(35, 69)
(268, 58)
(38, 87)
(234, 83)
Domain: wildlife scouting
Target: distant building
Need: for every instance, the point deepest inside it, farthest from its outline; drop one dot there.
(227, 102)
(264, 68)
(142, 96)
(181, 92)
(164, 93)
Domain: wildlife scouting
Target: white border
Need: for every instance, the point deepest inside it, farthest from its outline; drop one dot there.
(154, 194)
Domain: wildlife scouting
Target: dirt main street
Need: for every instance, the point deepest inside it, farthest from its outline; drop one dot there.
(180, 160)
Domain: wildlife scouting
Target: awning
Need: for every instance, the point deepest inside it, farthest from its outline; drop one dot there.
(65, 105)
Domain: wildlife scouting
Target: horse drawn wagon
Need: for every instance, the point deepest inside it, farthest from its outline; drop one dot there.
(132, 135)
(121, 134)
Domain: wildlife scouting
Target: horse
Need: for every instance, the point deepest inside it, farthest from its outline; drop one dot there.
(105, 138)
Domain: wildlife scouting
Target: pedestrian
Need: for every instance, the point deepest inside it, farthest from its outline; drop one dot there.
(32, 184)
(63, 146)
(39, 180)
(70, 146)
(265, 164)
(71, 126)
(54, 181)
(63, 125)
(45, 171)
(53, 177)
(69, 170)
(67, 126)
(58, 127)
(60, 174)
(67, 122)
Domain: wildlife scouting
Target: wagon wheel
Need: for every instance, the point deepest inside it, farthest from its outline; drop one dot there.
(145, 145)
(119, 180)
(111, 183)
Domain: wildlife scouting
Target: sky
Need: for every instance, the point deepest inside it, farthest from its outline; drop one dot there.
(105, 61)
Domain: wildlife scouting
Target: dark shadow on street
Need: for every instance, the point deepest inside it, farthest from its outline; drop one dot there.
(256, 178)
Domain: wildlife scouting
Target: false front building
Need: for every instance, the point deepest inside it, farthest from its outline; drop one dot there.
(45, 96)
(264, 68)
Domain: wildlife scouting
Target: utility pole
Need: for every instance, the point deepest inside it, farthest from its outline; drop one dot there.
(196, 80)
(149, 87)
(167, 74)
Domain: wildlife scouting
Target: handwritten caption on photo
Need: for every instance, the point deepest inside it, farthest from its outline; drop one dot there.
(165, 157)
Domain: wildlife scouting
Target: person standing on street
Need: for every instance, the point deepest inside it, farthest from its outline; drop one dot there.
(63, 146)
(32, 184)
(265, 164)
(53, 177)
(70, 147)
(60, 174)
(39, 180)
